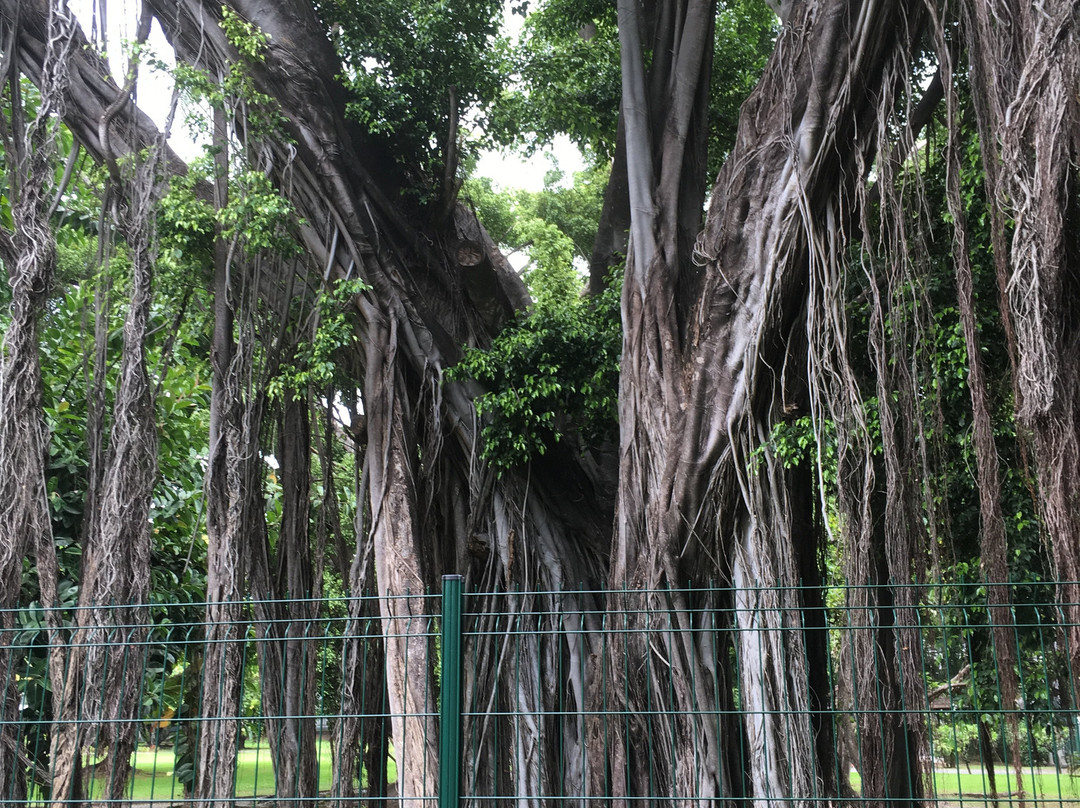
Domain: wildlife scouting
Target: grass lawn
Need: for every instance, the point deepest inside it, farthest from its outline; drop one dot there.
(1042, 783)
(153, 778)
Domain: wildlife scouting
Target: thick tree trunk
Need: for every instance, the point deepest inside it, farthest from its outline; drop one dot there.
(708, 359)
(400, 556)
(660, 140)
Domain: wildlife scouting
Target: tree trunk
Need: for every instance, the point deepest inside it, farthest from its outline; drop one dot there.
(28, 252)
(1025, 66)
(362, 733)
(417, 315)
(708, 362)
(360, 635)
(226, 526)
(612, 232)
(115, 575)
(29, 255)
(287, 655)
(399, 569)
(994, 555)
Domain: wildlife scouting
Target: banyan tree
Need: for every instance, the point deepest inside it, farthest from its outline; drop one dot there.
(736, 321)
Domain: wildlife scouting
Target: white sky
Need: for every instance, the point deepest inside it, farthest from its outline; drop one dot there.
(513, 171)
(506, 169)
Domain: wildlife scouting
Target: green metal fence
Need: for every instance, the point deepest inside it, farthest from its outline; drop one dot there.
(871, 695)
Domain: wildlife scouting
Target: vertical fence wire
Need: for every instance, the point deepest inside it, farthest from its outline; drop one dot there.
(450, 695)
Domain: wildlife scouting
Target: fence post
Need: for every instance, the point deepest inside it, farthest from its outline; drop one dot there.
(450, 695)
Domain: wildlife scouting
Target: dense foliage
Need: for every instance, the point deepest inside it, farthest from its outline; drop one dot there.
(405, 61)
(550, 376)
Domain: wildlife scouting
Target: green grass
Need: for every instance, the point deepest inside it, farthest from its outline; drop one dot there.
(1043, 783)
(153, 778)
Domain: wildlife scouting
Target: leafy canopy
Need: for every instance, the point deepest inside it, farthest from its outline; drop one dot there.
(566, 67)
(401, 60)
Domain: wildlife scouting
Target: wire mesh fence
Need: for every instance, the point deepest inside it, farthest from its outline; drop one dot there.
(946, 694)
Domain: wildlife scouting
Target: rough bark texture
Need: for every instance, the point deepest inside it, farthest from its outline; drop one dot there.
(361, 735)
(545, 531)
(399, 571)
(286, 607)
(1025, 68)
(419, 304)
(711, 362)
(28, 254)
(103, 685)
(661, 116)
(995, 562)
(115, 570)
(230, 485)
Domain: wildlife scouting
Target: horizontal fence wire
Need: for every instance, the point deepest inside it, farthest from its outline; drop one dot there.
(944, 694)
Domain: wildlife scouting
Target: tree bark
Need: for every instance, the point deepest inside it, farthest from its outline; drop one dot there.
(361, 733)
(708, 359)
(399, 568)
(116, 558)
(420, 314)
(994, 556)
(1024, 65)
(361, 737)
(28, 252)
(284, 576)
(226, 524)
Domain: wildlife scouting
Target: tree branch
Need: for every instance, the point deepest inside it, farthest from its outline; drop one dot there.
(90, 91)
(635, 110)
(449, 180)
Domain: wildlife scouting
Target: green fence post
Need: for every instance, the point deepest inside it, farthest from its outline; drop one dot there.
(450, 695)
